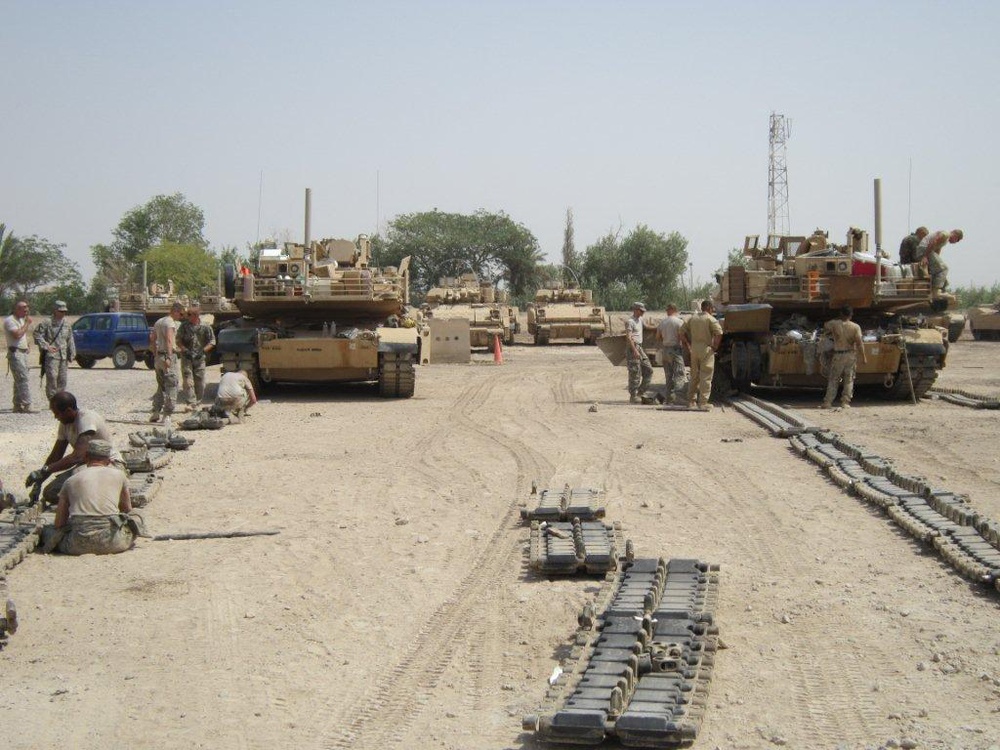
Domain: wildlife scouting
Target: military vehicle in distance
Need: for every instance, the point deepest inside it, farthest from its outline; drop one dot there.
(466, 297)
(155, 300)
(984, 322)
(565, 313)
(317, 312)
(774, 307)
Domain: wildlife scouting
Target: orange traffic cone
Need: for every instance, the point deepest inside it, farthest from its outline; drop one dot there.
(497, 351)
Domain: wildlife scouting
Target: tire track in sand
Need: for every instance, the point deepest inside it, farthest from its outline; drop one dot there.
(380, 718)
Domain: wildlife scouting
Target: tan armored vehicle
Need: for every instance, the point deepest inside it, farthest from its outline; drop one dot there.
(467, 298)
(565, 313)
(155, 300)
(773, 311)
(317, 312)
(984, 322)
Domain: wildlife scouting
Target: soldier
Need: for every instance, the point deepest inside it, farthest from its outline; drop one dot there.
(640, 371)
(847, 344)
(671, 353)
(929, 253)
(15, 329)
(77, 427)
(701, 336)
(908, 247)
(194, 341)
(162, 339)
(235, 393)
(94, 514)
(55, 340)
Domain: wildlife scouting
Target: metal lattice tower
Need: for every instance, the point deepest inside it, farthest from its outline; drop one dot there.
(777, 176)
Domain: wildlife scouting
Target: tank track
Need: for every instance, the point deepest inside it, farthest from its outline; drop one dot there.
(160, 437)
(779, 422)
(966, 398)
(139, 460)
(965, 538)
(19, 530)
(396, 376)
(643, 664)
(923, 371)
(143, 488)
(569, 547)
(565, 504)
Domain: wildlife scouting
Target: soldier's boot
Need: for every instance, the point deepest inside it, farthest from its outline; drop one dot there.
(634, 399)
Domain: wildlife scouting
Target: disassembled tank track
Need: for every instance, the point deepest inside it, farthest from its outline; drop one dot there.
(643, 663)
(20, 527)
(565, 504)
(966, 398)
(160, 437)
(569, 547)
(396, 376)
(965, 538)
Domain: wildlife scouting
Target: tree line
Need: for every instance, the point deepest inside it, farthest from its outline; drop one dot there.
(166, 234)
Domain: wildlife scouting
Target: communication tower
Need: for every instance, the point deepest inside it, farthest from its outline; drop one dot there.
(777, 176)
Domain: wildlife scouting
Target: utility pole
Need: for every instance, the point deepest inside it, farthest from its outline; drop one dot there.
(777, 176)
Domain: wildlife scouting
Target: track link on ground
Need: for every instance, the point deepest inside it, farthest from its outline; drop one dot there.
(966, 398)
(965, 538)
(643, 664)
(568, 547)
(565, 504)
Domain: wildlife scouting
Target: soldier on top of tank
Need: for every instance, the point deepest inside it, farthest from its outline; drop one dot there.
(929, 254)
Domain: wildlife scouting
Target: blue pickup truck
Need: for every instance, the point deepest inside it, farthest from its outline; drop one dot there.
(123, 336)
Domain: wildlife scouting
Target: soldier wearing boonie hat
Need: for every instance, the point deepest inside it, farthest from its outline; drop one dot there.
(94, 511)
(640, 371)
(56, 348)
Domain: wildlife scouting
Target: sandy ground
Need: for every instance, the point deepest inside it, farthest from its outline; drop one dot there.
(395, 610)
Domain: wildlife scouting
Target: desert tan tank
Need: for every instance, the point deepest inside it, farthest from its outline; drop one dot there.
(317, 312)
(467, 298)
(774, 308)
(565, 313)
(984, 322)
(155, 300)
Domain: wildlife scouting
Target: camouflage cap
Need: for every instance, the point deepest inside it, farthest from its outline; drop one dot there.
(98, 449)
(639, 306)
(60, 305)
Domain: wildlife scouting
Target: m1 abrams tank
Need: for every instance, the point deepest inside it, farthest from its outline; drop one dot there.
(774, 310)
(466, 298)
(565, 313)
(984, 322)
(317, 312)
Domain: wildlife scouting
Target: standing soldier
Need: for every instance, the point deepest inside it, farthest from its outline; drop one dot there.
(640, 371)
(701, 336)
(15, 329)
(194, 341)
(55, 340)
(847, 344)
(163, 342)
(671, 353)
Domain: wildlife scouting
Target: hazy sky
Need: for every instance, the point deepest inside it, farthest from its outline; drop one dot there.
(628, 112)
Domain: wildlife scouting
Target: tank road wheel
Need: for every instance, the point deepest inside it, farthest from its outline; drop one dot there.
(396, 376)
(123, 357)
(85, 362)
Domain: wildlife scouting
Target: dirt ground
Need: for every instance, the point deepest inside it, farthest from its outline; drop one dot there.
(395, 609)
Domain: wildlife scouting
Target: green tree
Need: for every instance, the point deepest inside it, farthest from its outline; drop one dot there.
(491, 245)
(28, 263)
(193, 269)
(645, 264)
(162, 220)
(570, 259)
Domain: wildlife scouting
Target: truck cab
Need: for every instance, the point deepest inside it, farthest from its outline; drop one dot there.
(123, 336)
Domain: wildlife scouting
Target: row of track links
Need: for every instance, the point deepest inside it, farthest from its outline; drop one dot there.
(966, 398)
(645, 661)
(968, 540)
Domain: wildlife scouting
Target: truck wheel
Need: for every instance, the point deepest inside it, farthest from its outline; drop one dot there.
(123, 357)
(85, 362)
